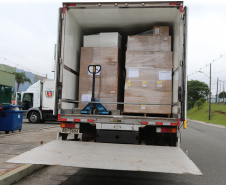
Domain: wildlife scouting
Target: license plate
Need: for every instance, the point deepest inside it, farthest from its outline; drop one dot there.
(70, 130)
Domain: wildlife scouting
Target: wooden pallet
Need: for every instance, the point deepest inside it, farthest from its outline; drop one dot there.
(146, 114)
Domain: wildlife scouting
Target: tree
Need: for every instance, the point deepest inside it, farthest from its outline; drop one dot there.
(199, 103)
(21, 79)
(222, 94)
(196, 90)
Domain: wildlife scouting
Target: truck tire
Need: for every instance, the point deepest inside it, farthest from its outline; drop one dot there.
(64, 136)
(34, 117)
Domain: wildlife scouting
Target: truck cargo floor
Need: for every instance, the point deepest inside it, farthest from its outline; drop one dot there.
(110, 156)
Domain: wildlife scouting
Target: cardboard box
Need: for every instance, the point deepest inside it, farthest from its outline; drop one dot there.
(151, 85)
(149, 74)
(149, 59)
(109, 39)
(103, 86)
(149, 43)
(161, 30)
(148, 96)
(108, 58)
(108, 87)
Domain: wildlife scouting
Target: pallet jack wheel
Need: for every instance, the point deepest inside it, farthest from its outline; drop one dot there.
(64, 136)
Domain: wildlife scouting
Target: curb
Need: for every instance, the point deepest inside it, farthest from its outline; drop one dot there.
(209, 124)
(19, 173)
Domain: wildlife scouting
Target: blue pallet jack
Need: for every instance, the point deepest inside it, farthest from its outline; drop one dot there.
(94, 108)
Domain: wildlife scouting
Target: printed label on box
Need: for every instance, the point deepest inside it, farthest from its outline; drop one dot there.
(159, 83)
(134, 73)
(86, 97)
(144, 83)
(164, 75)
(113, 91)
(142, 107)
(128, 83)
(156, 30)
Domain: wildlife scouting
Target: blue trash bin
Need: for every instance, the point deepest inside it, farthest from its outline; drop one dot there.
(11, 118)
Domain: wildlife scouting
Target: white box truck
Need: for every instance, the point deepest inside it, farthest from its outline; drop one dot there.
(38, 101)
(80, 19)
(116, 141)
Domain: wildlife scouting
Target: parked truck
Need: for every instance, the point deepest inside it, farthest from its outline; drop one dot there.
(38, 101)
(77, 20)
(134, 134)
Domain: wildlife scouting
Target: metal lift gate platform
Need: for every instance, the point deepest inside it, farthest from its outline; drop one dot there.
(110, 156)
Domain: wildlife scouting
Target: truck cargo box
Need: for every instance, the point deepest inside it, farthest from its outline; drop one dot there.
(162, 100)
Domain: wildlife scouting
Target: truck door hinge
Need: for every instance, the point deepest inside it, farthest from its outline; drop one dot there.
(62, 17)
(61, 60)
(181, 63)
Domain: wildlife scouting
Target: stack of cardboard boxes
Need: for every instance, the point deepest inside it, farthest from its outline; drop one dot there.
(107, 83)
(149, 72)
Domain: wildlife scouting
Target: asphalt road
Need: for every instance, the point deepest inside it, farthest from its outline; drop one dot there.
(31, 126)
(206, 146)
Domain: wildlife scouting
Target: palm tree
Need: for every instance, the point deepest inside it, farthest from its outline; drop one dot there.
(21, 79)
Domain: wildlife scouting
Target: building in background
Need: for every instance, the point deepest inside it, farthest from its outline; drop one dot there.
(7, 78)
(7, 84)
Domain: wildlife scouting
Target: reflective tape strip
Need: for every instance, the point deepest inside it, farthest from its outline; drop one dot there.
(64, 9)
(70, 119)
(84, 120)
(178, 121)
(144, 123)
(160, 123)
(181, 9)
(72, 4)
(61, 119)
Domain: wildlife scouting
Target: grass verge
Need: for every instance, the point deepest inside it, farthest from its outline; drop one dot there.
(218, 113)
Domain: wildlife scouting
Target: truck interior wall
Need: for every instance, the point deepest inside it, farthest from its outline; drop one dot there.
(126, 21)
(176, 61)
(73, 39)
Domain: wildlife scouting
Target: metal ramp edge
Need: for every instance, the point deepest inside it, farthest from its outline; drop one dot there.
(110, 156)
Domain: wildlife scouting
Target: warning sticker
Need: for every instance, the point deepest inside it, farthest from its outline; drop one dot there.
(142, 107)
(159, 83)
(144, 83)
(128, 83)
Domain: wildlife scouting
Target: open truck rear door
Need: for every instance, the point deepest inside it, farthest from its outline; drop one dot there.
(110, 156)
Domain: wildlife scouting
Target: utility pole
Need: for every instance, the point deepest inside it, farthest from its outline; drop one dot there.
(217, 91)
(210, 95)
(223, 92)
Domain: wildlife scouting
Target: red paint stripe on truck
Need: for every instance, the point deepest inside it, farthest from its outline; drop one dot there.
(61, 119)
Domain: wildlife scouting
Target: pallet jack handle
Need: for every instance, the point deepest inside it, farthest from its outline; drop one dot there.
(93, 69)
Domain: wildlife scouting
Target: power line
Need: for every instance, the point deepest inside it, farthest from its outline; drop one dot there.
(22, 67)
(208, 64)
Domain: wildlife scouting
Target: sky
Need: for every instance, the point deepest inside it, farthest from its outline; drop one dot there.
(28, 33)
